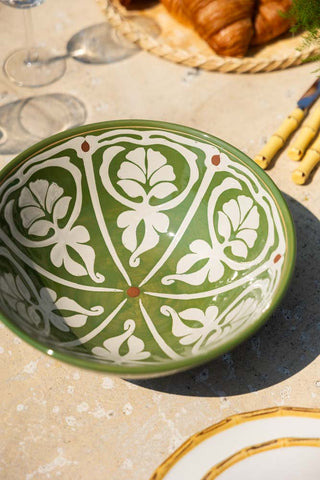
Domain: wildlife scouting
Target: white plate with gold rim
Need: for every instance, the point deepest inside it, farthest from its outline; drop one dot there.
(280, 443)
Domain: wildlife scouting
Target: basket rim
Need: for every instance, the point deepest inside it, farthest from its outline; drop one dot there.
(114, 13)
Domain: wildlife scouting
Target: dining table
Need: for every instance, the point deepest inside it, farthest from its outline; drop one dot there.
(61, 421)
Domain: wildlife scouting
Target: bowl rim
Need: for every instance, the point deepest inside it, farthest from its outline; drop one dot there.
(172, 366)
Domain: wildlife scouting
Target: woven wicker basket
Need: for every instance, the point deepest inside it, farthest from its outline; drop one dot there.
(182, 45)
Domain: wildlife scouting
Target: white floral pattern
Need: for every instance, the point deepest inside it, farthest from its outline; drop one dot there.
(210, 325)
(239, 218)
(135, 174)
(111, 347)
(213, 269)
(16, 296)
(43, 205)
(207, 325)
(238, 222)
(147, 188)
(41, 199)
(144, 174)
(146, 169)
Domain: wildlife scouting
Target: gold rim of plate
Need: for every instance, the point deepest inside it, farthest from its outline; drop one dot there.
(233, 421)
(245, 453)
(180, 44)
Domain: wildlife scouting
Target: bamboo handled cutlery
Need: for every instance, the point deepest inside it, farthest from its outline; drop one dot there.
(305, 148)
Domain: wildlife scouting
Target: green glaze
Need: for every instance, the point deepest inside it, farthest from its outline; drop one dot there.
(140, 248)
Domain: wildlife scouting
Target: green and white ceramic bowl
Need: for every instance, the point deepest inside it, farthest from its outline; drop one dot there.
(140, 248)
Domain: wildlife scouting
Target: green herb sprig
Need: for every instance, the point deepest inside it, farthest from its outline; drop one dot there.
(306, 16)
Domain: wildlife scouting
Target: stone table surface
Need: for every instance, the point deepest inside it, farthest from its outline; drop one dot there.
(61, 422)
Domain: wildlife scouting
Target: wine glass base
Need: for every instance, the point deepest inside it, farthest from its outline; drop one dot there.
(43, 68)
(26, 122)
(45, 115)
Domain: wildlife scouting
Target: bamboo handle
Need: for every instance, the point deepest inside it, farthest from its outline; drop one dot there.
(306, 135)
(279, 138)
(309, 162)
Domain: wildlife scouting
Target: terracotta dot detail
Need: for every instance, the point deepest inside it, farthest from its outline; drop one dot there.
(215, 160)
(277, 258)
(133, 292)
(85, 147)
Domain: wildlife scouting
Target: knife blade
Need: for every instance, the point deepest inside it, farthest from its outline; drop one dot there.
(289, 125)
(310, 96)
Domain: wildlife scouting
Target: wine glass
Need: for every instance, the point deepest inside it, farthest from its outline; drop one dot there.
(31, 66)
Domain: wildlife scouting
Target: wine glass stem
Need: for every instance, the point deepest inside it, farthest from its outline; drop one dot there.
(32, 55)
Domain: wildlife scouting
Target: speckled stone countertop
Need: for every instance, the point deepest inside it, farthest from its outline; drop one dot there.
(61, 422)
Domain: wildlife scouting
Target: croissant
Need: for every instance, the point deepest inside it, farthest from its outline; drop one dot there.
(226, 25)
(269, 22)
(230, 26)
(177, 10)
